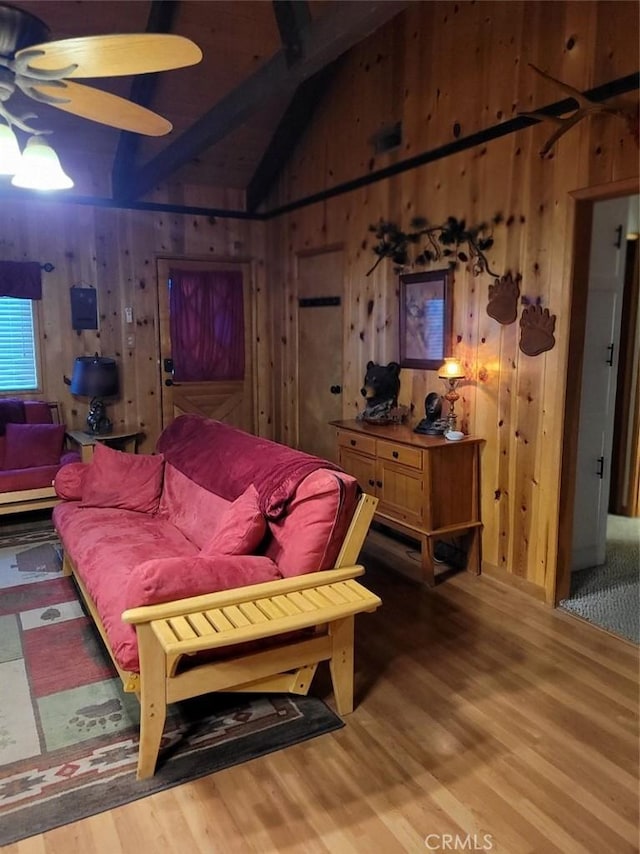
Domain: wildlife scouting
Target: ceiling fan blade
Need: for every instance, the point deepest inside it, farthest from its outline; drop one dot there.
(112, 55)
(104, 107)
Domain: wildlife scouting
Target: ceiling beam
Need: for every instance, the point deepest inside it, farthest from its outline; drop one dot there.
(291, 127)
(161, 16)
(293, 18)
(620, 86)
(323, 41)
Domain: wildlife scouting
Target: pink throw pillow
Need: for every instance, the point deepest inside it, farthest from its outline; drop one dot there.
(32, 445)
(126, 481)
(166, 579)
(240, 529)
(68, 482)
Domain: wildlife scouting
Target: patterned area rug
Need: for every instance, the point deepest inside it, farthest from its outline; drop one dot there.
(68, 733)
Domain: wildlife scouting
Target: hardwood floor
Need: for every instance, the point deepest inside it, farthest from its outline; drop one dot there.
(485, 721)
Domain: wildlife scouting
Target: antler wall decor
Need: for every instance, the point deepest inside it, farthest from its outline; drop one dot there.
(585, 108)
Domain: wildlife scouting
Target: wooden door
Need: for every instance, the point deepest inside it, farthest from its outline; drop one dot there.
(231, 401)
(599, 372)
(320, 343)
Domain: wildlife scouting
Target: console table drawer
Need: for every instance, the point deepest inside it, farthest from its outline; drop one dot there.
(411, 457)
(364, 444)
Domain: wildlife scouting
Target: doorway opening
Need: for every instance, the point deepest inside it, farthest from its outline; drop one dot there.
(598, 575)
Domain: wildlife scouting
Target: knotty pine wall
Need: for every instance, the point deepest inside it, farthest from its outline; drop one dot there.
(116, 252)
(436, 66)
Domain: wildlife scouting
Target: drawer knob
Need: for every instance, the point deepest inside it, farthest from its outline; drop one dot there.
(378, 483)
(352, 443)
(395, 455)
(372, 482)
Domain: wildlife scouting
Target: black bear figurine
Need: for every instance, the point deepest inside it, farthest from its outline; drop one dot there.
(432, 424)
(381, 387)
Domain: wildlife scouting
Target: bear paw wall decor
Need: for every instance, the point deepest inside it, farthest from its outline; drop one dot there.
(536, 330)
(380, 390)
(503, 299)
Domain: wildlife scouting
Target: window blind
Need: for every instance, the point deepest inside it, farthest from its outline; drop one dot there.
(17, 345)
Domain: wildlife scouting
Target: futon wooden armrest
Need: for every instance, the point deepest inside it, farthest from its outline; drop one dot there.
(239, 595)
(261, 617)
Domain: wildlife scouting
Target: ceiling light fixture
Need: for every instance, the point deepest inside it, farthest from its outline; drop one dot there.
(40, 168)
(9, 151)
(37, 167)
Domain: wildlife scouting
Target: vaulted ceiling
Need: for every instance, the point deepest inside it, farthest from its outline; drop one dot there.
(235, 115)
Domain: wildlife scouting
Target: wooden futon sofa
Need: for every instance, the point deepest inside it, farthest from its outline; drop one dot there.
(225, 562)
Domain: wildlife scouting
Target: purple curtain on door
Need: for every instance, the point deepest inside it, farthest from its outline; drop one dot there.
(206, 314)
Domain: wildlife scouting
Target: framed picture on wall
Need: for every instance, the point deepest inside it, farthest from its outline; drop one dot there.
(425, 318)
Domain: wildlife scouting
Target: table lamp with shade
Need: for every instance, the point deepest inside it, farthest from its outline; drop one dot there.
(95, 377)
(453, 372)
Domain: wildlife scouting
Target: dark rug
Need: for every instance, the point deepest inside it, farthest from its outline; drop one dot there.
(69, 734)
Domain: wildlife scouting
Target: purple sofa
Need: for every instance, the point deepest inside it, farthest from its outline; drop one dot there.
(31, 454)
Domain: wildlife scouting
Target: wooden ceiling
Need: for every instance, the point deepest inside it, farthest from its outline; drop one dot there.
(261, 71)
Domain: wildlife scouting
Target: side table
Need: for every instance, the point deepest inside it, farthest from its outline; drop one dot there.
(125, 440)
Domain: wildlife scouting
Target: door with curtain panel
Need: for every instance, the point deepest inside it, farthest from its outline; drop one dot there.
(205, 322)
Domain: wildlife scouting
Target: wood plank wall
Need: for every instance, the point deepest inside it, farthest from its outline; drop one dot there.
(434, 67)
(115, 251)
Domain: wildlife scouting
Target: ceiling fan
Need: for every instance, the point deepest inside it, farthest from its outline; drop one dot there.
(41, 70)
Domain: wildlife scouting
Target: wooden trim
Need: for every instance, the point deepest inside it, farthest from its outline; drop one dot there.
(580, 249)
(624, 461)
(601, 192)
(499, 574)
(601, 93)
(320, 250)
(21, 195)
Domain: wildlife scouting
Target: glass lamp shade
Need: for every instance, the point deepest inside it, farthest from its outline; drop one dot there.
(10, 156)
(451, 370)
(94, 376)
(40, 168)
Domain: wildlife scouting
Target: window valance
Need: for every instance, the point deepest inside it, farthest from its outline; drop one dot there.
(21, 279)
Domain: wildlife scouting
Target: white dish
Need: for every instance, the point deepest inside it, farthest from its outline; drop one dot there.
(454, 435)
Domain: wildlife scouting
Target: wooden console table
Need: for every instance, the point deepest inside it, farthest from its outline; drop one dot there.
(427, 486)
(126, 440)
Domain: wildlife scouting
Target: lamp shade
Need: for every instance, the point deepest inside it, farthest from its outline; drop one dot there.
(451, 370)
(40, 168)
(9, 151)
(95, 376)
